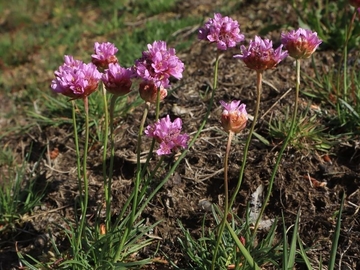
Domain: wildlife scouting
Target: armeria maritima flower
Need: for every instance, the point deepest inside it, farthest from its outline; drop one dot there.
(104, 54)
(117, 80)
(167, 133)
(222, 30)
(75, 79)
(260, 55)
(158, 64)
(234, 116)
(301, 43)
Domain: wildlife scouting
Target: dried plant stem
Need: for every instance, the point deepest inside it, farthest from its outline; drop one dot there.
(286, 142)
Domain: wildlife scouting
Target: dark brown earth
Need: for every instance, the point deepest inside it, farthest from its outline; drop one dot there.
(200, 175)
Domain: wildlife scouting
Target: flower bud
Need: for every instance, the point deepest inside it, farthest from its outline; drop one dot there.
(301, 43)
(234, 116)
(148, 91)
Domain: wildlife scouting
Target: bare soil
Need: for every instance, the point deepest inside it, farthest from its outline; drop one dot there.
(200, 175)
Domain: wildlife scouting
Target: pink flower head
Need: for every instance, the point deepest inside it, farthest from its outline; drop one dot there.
(148, 91)
(222, 30)
(104, 54)
(158, 63)
(260, 55)
(234, 116)
(117, 80)
(300, 43)
(167, 133)
(75, 79)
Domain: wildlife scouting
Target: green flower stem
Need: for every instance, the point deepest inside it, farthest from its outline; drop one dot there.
(76, 138)
(182, 156)
(105, 143)
(287, 140)
(157, 113)
(85, 179)
(247, 144)
(216, 70)
(226, 192)
(136, 187)
(111, 166)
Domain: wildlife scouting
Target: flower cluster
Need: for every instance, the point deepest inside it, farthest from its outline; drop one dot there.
(260, 55)
(234, 116)
(118, 80)
(158, 64)
(222, 30)
(104, 54)
(300, 43)
(75, 79)
(167, 133)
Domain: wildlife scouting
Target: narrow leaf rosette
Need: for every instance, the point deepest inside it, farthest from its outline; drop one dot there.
(167, 133)
(118, 80)
(75, 79)
(158, 64)
(234, 116)
(104, 54)
(301, 43)
(260, 55)
(223, 31)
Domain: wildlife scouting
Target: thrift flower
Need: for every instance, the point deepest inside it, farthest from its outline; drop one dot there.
(222, 30)
(167, 133)
(158, 64)
(104, 54)
(75, 79)
(260, 55)
(301, 43)
(234, 116)
(117, 80)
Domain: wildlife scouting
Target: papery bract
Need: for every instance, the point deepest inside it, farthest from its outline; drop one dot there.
(223, 31)
(104, 54)
(75, 79)
(118, 80)
(260, 54)
(167, 133)
(234, 116)
(301, 43)
(158, 64)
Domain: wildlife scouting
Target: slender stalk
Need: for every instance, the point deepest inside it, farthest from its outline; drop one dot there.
(226, 193)
(104, 167)
(247, 144)
(181, 157)
(76, 138)
(85, 179)
(136, 187)
(111, 166)
(287, 140)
